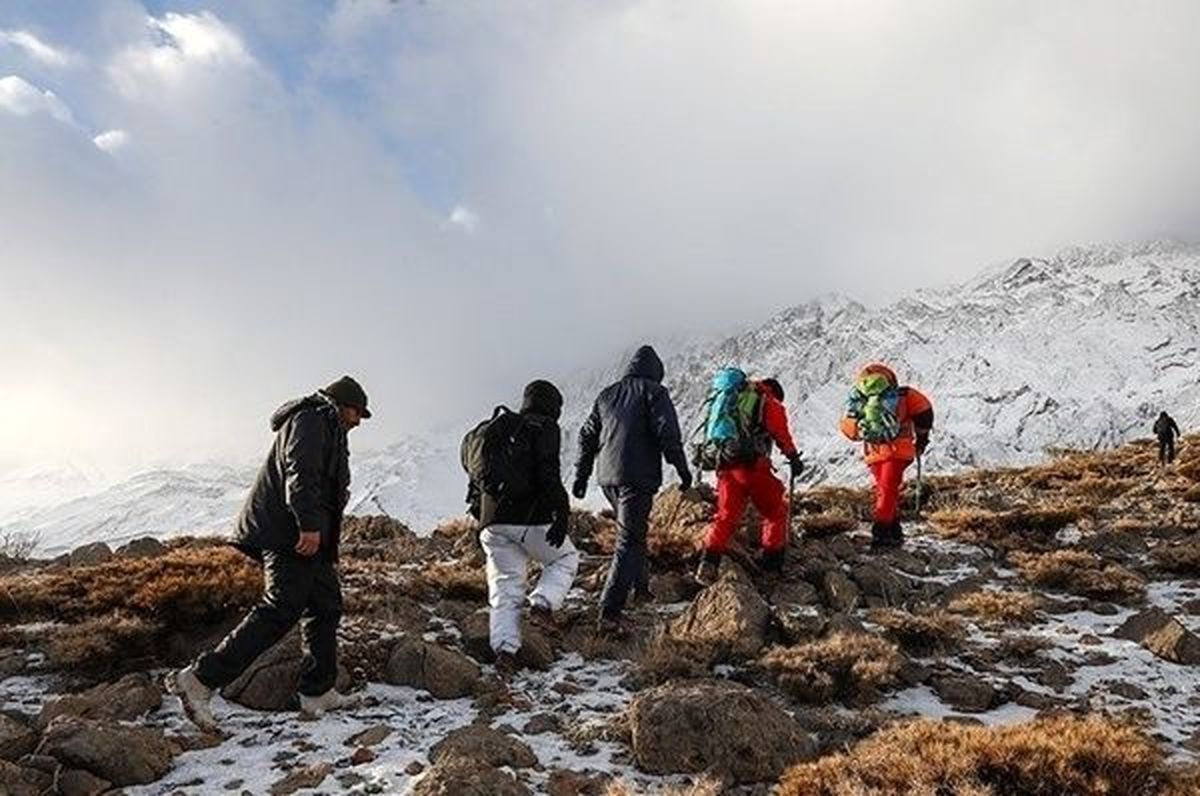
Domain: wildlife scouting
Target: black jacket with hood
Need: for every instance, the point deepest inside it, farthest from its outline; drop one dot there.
(303, 484)
(548, 502)
(1165, 427)
(632, 428)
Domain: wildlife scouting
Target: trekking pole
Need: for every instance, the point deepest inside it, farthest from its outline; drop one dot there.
(791, 506)
(919, 484)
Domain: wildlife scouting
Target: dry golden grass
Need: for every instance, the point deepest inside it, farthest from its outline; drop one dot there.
(827, 523)
(678, 523)
(1022, 647)
(1014, 529)
(705, 787)
(1189, 469)
(846, 666)
(458, 579)
(1192, 495)
(1089, 756)
(997, 607)
(96, 643)
(666, 658)
(1182, 558)
(1079, 572)
(182, 587)
(922, 633)
(455, 527)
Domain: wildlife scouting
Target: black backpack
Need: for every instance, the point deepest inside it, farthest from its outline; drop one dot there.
(497, 455)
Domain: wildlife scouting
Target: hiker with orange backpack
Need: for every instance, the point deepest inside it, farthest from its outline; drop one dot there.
(893, 423)
(745, 419)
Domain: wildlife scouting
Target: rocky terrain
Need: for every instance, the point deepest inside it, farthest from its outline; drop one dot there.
(1036, 635)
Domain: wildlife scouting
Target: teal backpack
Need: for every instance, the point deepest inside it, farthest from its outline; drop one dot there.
(733, 428)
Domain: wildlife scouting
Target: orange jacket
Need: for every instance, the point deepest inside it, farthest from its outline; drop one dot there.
(915, 414)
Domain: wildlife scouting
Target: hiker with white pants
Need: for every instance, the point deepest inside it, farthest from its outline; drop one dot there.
(509, 549)
(516, 494)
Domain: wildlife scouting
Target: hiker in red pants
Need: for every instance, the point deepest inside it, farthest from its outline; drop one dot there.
(763, 419)
(893, 423)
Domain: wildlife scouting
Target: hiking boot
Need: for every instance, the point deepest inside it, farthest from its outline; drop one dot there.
(643, 596)
(611, 627)
(540, 613)
(771, 562)
(507, 665)
(709, 569)
(886, 536)
(194, 697)
(314, 707)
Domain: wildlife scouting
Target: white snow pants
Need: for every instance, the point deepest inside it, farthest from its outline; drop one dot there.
(508, 549)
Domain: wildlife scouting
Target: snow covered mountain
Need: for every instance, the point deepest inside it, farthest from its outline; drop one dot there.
(1080, 350)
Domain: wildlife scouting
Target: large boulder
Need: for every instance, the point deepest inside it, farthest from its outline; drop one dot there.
(537, 651)
(444, 673)
(1162, 634)
(145, 547)
(728, 617)
(121, 754)
(128, 698)
(966, 692)
(270, 682)
(485, 746)
(705, 725)
(90, 554)
(18, 780)
(838, 591)
(17, 739)
(458, 776)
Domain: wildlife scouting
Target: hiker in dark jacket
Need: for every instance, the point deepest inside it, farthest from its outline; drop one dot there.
(631, 429)
(1166, 430)
(291, 523)
(516, 528)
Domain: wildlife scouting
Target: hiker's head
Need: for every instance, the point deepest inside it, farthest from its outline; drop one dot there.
(542, 398)
(774, 387)
(351, 399)
(875, 378)
(646, 364)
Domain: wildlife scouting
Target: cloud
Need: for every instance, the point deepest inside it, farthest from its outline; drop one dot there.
(177, 47)
(111, 141)
(19, 97)
(37, 49)
(462, 216)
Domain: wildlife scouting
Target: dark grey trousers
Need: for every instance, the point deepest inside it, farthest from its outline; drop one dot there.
(632, 507)
(304, 590)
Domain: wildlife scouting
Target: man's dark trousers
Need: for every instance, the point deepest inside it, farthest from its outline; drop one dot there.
(1166, 449)
(632, 507)
(295, 589)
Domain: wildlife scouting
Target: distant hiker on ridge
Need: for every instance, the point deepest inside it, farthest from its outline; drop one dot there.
(744, 419)
(1166, 429)
(291, 523)
(631, 429)
(515, 492)
(893, 423)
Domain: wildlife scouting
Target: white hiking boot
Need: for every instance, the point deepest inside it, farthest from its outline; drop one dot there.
(195, 697)
(314, 707)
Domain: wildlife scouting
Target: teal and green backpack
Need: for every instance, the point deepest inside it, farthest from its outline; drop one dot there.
(733, 427)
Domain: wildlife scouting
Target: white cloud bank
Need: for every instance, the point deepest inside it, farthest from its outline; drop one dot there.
(19, 97)
(37, 49)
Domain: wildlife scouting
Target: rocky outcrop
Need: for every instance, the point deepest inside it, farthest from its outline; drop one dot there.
(120, 754)
(728, 617)
(128, 698)
(1162, 634)
(442, 672)
(270, 682)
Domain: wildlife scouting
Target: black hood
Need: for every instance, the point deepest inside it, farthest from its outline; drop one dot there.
(290, 408)
(542, 398)
(646, 365)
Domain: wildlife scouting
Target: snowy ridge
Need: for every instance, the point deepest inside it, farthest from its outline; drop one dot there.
(1080, 350)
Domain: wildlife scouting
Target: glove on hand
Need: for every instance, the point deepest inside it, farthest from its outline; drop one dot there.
(557, 532)
(685, 479)
(579, 488)
(922, 443)
(796, 464)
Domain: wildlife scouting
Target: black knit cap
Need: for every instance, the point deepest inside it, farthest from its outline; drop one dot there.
(348, 392)
(543, 398)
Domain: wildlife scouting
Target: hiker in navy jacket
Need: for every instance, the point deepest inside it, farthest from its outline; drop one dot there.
(633, 426)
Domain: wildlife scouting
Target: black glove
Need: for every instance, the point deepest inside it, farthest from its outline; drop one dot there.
(685, 479)
(579, 488)
(796, 464)
(922, 442)
(557, 532)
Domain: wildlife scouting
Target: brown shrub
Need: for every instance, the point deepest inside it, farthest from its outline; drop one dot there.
(845, 666)
(1005, 530)
(1022, 647)
(183, 587)
(458, 579)
(96, 643)
(1189, 470)
(705, 787)
(666, 658)
(452, 529)
(997, 607)
(920, 633)
(1090, 756)
(827, 523)
(1183, 558)
(1079, 572)
(678, 523)
(1192, 495)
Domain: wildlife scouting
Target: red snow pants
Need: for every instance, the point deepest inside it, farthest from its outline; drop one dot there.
(756, 483)
(889, 476)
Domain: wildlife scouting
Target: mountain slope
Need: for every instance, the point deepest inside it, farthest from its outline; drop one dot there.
(1079, 350)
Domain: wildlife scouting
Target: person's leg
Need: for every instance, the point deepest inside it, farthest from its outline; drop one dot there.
(559, 565)
(1171, 450)
(318, 632)
(731, 502)
(767, 494)
(287, 584)
(633, 518)
(1163, 442)
(506, 562)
